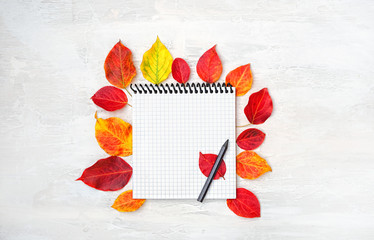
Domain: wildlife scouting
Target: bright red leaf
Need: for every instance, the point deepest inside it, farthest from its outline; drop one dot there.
(108, 174)
(209, 66)
(180, 70)
(206, 162)
(119, 67)
(259, 107)
(110, 98)
(250, 139)
(245, 205)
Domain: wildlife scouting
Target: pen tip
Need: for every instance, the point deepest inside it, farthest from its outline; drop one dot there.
(227, 142)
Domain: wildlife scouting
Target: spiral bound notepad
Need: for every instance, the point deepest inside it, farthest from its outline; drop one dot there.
(172, 124)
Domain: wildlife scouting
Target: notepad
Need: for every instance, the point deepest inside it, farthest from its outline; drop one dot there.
(172, 124)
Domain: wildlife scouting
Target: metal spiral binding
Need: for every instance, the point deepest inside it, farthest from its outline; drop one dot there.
(177, 88)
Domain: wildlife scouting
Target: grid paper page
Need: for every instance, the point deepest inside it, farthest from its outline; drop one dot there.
(169, 132)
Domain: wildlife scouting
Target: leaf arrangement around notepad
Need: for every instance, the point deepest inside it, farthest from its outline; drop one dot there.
(114, 135)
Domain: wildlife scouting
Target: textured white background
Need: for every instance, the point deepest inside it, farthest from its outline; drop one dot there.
(316, 58)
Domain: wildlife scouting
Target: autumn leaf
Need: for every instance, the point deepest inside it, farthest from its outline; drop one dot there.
(206, 162)
(119, 68)
(245, 205)
(110, 98)
(259, 107)
(108, 174)
(209, 66)
(114, 136)
(125, 202)
(250, 139)
(156, 64)
(241, 78)
(250, 165)
(180, 70)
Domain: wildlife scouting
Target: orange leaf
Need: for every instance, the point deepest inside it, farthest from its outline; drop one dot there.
(125, 202)
(249, 165)
(114, 136)
(241, 78)
(119, 68)
(209, 66)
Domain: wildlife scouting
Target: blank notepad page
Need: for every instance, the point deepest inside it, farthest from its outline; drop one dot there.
(169, 132)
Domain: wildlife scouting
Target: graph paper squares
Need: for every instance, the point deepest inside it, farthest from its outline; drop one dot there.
(169, 131)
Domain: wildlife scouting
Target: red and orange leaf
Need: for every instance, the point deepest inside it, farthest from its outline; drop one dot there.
(245, 205)
(125, 202)
(180, 70)
(241, 78)
(250, 139)
(114, 136)
(108, 174)
(119, 67)
(206, 162)
(209, 66)
(250, 165)
(259, 107)
(110, 98)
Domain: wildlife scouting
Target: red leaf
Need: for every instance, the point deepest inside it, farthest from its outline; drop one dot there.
(206, 162)
(108, 174)
(180, 70)
(110, 98)
(119, 67)
(259, 107)
(209, 66)
(245, 205)
(250, 139)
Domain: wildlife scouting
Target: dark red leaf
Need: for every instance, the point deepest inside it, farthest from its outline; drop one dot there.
(206, 162)
(108, 174)
(250, 139)
(180, 70)
(245, 205)
(209, 66)
(110, 98)
(259, 107)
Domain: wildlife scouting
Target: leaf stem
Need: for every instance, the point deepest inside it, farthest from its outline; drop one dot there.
(244, 125)
(128, 92)
(129, 104)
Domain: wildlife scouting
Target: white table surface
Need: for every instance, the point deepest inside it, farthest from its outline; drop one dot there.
(316, 58)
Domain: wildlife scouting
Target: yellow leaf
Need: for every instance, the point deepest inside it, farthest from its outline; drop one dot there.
(125, 202)
(114, 136)
(156, 64)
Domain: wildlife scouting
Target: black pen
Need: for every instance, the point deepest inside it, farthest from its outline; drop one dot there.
(213, 172)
